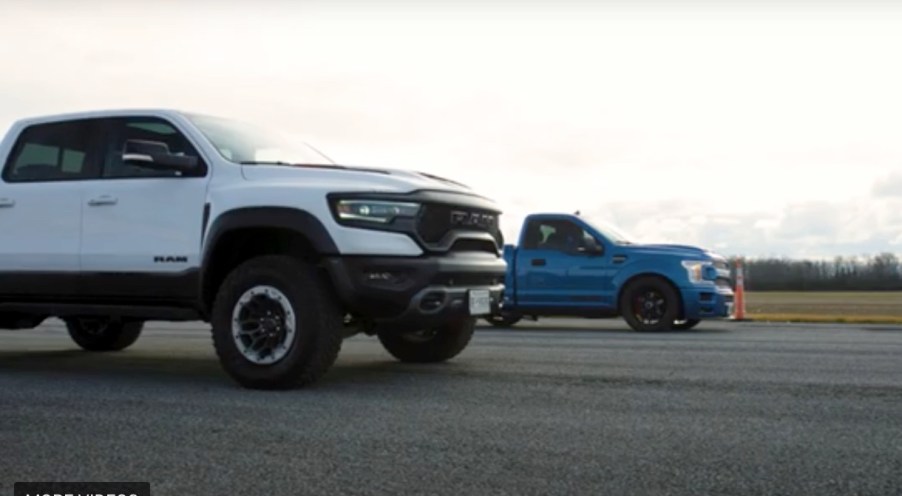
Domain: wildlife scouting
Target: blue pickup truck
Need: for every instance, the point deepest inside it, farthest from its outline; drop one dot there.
(567, 266)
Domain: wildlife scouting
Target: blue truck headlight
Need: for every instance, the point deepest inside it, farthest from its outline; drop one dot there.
(700, 270)
(375, 211)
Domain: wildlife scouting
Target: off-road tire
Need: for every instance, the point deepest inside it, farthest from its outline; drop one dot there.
(644, 287)
(438, 345)
(685, 325)
(103, 333)
(317, 323)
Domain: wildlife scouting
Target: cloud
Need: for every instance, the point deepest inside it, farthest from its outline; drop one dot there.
(889, 186)
(773, 150)
(806, 229)
(813, 220)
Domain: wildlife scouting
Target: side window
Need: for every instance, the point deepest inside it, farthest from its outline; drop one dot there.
(121, 130)
(52, 152)
(558, 235)
(534, 235)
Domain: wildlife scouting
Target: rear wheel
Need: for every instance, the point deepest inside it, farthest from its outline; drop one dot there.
(436, 344)
(103, 333)
(276, 324)
(684, 325)
(650, 304)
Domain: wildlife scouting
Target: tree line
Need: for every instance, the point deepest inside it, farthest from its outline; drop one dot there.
(870, 273)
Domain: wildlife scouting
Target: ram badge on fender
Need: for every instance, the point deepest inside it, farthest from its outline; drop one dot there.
(113, 218)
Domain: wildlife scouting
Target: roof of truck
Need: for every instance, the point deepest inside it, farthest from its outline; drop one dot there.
(93, 114)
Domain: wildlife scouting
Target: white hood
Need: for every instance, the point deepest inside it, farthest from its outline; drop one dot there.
(352, 178)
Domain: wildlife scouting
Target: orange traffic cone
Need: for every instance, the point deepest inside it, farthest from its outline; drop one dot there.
(739, 294)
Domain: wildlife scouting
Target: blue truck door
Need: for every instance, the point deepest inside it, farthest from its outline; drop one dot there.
(558, 267)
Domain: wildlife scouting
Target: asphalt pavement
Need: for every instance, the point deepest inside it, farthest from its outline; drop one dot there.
(556, 407)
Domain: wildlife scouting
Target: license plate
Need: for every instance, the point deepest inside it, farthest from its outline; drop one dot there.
(480, 302)
(729, 309)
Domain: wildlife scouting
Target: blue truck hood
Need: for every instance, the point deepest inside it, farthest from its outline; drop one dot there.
(674, 250)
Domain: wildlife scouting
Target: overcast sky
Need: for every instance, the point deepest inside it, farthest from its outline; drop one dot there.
(768, 128)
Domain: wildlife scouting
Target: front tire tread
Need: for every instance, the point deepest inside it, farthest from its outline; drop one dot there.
(318, 324)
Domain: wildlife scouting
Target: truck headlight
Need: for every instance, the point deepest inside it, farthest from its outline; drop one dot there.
(700, 270)
(375, 211)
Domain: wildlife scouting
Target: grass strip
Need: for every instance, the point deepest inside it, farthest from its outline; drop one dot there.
(820, 319)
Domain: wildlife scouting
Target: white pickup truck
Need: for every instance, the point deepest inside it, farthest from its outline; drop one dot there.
(109, 219)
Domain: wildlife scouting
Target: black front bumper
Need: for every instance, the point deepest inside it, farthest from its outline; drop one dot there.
(415, 291)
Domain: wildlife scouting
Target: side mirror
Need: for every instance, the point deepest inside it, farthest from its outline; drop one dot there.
(156, 156)
(592, 248)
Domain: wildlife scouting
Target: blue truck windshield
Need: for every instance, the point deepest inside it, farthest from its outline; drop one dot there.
(610, 232)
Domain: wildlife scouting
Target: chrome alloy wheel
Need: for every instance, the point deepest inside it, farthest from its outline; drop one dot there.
(263, 325)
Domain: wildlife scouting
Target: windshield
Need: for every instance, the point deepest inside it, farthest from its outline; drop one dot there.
(244, 143)
(610, 232)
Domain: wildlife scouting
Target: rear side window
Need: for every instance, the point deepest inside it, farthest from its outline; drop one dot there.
(52, 152)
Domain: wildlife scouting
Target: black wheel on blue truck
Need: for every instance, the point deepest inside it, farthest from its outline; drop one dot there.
(650, 304)
(685, 325)
(436, 344)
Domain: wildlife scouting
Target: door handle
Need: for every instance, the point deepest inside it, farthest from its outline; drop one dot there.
(103, 200)
(538, 262)
(7, 202)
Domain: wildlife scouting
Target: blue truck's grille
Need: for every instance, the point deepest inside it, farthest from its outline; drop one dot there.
(724, 281)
